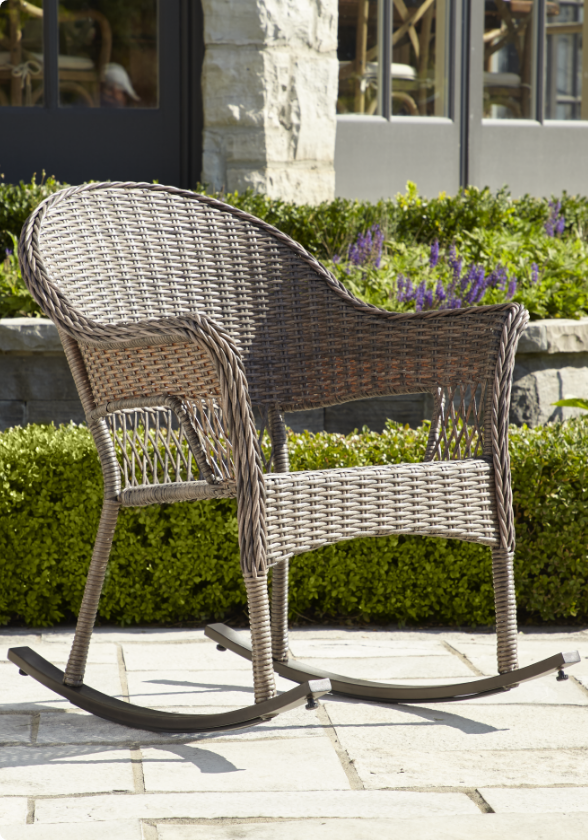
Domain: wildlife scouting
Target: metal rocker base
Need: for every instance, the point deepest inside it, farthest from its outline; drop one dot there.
(138, 717)
(386, 693)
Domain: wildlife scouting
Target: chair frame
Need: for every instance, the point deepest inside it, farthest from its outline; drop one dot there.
(151, 373)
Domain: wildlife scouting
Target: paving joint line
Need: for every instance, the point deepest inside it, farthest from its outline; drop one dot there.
(578, 683)
(463, 658)
(477, 798)
(346, 762)
(35, 723)
(30, 811)
(135, 751)
(149, 830)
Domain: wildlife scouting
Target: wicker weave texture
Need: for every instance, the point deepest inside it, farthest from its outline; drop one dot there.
(150, 252)
(306, 510)
(180, 303)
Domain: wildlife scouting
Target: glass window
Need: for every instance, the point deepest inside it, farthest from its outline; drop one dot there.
(419, 58)
(21, 53)
(417, 44)
(510, 36)
(108, 53)
(565, 62)
(357, 51)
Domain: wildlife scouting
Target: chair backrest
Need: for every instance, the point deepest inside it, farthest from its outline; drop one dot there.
(121, 253)
(125, 252)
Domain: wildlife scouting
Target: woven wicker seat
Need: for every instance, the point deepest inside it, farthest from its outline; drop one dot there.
(178, 314)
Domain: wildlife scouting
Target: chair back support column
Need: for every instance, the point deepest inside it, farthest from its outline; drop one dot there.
(497, 418)
(281, 464)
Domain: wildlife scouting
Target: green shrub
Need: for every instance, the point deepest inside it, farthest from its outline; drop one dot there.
(17, 202)
(180, 562)
(15, 299)
(488, 229)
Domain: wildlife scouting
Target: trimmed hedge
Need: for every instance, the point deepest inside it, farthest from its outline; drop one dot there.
(180, 562)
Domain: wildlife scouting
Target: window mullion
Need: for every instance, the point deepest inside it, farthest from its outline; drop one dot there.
(385, 59)
(51, 53)
(540, 61)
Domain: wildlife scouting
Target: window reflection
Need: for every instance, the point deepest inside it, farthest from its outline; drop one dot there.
(108, 54)
(419, 58)
(509, 59)
(21, 45)
(357, 51)
(566, 62)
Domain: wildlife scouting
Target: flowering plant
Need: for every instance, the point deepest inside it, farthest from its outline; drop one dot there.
(439, 280)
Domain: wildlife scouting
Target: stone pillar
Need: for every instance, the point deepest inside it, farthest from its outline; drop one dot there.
(269, 84)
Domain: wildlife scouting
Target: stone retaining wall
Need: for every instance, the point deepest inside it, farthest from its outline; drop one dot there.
(36, 385)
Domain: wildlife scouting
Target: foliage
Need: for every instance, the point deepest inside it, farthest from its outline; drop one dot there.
(17, 202)
(573, 402)
(180, 562)
(538, 244)
(15, 299)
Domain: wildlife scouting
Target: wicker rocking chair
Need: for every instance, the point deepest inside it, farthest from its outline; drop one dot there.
(178, 314)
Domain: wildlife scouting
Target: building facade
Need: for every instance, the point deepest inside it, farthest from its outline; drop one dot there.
(301, 99)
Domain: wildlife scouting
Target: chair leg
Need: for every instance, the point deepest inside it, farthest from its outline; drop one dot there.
(506, 609)
(281, 464)
(261, 640)
(280, 642)
(76, 666)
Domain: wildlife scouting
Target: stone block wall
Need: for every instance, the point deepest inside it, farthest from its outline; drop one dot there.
(551, 364)
(269, 86)
(36, 385)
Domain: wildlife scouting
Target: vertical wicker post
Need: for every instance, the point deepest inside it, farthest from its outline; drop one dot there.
(281, 464)
(76, 665)
(259, 619)
(506, 613)
(74, 672)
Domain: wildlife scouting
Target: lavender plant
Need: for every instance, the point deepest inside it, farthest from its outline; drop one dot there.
(443, 281)
(556, 223)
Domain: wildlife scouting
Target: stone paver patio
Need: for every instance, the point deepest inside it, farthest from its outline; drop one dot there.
(513, 766)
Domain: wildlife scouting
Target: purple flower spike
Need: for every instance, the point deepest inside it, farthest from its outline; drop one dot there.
(512, 287)
(555, 224)
(367, 250)
(428, 299)
(336, 259)
(9, 252)
(420, 296)
(434, 258)
(440, 292)
(534, 273)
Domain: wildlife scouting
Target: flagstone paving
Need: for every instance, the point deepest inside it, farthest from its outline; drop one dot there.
(513, 765)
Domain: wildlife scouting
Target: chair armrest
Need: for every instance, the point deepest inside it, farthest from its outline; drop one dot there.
(226, 378)
(362, 352)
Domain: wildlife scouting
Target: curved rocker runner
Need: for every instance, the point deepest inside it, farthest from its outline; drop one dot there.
(179, 313)
(127, 714)
(377, 692)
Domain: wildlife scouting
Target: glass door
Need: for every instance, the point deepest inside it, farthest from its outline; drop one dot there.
(91, 89)
(400, 96)
(529, 117)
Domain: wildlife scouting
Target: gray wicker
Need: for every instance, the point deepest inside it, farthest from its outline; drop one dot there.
(179, 313)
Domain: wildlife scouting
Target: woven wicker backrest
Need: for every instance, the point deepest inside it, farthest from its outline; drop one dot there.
(123, 253)
(131, 252)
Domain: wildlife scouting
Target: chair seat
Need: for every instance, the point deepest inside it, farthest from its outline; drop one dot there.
(451, 499)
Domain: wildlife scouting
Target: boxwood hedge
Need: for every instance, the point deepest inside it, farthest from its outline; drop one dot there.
(180, 562)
